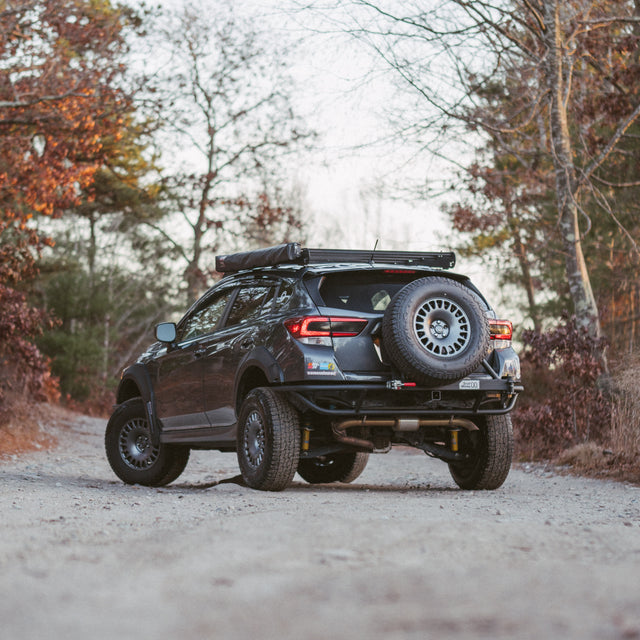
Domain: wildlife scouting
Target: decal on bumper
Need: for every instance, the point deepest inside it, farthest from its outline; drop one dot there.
(320, 368)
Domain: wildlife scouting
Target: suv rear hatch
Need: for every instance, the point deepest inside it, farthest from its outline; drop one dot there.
(360, 294)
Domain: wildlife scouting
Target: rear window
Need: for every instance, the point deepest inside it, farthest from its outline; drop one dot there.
(367, 291)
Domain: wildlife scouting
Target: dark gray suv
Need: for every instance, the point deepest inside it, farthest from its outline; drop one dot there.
(308, 360)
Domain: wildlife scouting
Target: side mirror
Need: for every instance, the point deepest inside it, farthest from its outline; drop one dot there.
(166, 332)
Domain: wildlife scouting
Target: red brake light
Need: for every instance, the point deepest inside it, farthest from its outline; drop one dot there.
(347, 327)
(322, 326)
(308, 327)
(500, 330)
(400, 271)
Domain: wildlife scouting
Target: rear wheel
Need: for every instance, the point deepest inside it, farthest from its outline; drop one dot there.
(131, 454)
(491, 452)
(268, 440)
(334, 467)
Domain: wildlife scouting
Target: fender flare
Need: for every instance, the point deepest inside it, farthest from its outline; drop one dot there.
(138, 375)
(260, 358)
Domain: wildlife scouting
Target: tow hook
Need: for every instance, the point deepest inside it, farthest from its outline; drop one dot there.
(396, 385)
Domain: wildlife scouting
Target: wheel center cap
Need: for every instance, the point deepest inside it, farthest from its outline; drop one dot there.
(439, 329)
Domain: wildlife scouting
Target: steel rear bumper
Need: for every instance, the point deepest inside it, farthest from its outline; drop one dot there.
(475, 395)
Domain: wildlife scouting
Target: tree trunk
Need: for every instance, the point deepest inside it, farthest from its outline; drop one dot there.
(527, 282)
(636, 28)
(520, 251)
(106, 347)
(585, 308)
(92, 250)
(193, 278)
(193, 274)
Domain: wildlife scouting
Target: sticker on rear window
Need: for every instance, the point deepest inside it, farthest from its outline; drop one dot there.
(469, 384)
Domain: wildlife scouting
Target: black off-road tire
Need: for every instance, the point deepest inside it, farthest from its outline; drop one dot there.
(491, 449)
(268, 440)
(435, 331)
(334, 467)
(132, 456)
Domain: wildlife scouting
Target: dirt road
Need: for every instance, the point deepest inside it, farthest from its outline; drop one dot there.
(399, 554)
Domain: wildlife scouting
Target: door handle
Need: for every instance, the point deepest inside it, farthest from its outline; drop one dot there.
(199, 352)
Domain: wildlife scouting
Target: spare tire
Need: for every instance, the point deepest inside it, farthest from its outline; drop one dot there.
(435, 331)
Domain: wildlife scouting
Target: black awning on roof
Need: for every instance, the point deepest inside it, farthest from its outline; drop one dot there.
(282, 253)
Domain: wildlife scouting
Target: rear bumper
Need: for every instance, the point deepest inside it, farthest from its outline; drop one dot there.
(475, 395)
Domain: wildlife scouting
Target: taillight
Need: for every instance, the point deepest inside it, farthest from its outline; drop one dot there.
(347, 327)
(501, 332)
(320, 329)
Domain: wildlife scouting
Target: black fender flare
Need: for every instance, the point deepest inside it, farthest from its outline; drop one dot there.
(259, 358)
(138, 375)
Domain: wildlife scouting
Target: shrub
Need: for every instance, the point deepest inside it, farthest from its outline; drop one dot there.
(625, 423)
(23, 369)
(563, 404)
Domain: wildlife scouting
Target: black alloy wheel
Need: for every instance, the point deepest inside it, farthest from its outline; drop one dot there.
(131, 453)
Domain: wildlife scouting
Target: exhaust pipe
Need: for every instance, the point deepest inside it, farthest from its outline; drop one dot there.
(339, 429)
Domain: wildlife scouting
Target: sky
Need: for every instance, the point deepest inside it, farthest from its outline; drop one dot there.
(348, 176)
(351, 179)
(365, 162)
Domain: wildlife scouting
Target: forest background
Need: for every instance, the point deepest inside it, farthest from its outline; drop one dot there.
(136, 142)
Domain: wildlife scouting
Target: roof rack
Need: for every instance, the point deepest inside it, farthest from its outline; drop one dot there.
(293, 253)
(436, 259)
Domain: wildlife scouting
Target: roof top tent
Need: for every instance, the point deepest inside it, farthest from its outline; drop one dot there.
(293, 253)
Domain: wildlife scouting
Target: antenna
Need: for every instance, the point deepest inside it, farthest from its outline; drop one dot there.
(375, 246)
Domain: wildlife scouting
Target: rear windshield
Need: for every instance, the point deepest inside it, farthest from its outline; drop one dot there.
(368, 291)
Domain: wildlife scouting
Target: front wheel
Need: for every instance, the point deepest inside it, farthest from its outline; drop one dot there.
(334, 467)
(268, 440)
(490, 449)
(131, 454)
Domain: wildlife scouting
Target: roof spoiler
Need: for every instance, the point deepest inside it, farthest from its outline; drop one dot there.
(293, 253)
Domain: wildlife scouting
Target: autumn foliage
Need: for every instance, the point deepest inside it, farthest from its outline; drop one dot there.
(59, 98)
(510, 208)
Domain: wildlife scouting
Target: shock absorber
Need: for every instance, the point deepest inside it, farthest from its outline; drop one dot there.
(306, 436)
(454, 443)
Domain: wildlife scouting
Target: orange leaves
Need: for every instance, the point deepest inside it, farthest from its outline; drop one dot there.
(59, 101)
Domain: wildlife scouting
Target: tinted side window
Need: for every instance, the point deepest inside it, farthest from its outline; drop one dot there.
(249, 304)
(267, 301)
(205, 319)
(285, 294)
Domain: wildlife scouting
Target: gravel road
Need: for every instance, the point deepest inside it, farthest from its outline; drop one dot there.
(399, 554)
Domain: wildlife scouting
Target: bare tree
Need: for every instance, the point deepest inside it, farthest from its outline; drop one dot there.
(445, 51)
(229, 120)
